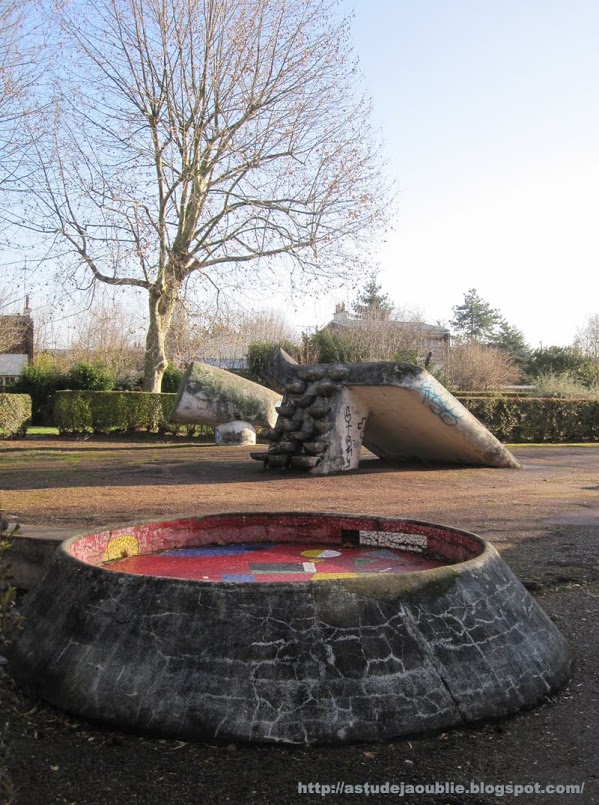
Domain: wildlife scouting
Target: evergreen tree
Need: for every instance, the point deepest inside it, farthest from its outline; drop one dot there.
(371, 302)
(475, 319)
(511, 341)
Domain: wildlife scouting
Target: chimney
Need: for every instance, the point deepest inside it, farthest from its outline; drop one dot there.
(340, 312)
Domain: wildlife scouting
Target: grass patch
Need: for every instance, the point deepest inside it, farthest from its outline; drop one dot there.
(510, 445)
(36, 430)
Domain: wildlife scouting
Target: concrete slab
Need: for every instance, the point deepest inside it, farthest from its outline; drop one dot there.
(398, 411)
(212, 396)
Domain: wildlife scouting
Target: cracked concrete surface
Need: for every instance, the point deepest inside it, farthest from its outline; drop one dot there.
(355, 659)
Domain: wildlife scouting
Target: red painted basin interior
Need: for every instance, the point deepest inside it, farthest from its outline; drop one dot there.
(275, 547)
(267, 562)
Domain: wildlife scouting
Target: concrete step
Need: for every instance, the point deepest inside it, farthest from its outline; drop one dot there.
(31, 552)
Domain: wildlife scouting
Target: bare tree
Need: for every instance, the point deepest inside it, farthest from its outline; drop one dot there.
(222, 138)
(587, 338)
(21, 66)
(402, 335)
(109, 334)
(225, 336)
(12, 79)
(476, 367)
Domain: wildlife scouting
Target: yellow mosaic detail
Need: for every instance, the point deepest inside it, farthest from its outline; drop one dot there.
(120, 547)
(320, 554)
(333, 575)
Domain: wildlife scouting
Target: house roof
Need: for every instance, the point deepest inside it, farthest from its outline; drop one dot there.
(346, 321)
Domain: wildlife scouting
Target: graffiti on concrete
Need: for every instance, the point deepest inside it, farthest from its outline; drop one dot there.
(353, 435)
(440, 401)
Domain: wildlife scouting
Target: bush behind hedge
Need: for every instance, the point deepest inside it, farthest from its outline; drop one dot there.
(536, 419)
(117, 412)
(15, 414)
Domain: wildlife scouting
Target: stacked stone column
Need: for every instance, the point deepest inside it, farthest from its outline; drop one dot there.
(301, 438)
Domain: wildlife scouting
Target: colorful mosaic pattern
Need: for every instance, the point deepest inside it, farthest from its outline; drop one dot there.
(268, 562)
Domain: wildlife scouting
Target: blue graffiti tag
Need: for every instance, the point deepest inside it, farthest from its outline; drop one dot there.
(441, 402)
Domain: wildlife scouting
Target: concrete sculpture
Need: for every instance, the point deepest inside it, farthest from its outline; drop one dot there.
(396, 410)
(290, 628)
(212, 396)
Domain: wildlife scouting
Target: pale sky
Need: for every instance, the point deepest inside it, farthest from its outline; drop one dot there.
(489, 110)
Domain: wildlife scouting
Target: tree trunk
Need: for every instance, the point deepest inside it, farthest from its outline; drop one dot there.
(162, 304)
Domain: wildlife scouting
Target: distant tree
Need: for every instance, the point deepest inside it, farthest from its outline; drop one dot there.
(230, 334)
(587, 338)
(110, 335)
(475, 319)
(562, 361)
(371, 302)
(511, 341)
(372, 338)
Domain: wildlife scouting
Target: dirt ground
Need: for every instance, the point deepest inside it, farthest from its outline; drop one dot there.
(544, 519)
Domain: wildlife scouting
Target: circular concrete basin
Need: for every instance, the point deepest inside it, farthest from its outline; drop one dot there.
(285, 627)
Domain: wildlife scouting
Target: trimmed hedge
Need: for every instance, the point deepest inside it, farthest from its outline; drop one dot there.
(116, 411)
(536, 419)
(468, 395)
(15, 414)
(510, 419)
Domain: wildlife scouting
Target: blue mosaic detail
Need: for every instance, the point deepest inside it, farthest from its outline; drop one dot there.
(218, 550)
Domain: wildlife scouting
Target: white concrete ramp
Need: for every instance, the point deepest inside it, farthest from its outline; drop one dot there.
(396, 410)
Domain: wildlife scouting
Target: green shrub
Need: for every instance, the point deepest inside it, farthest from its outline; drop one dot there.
(566, 384)
(407, 355)
(15, 414)
(88, 377)
(340, 347)
(536, 419)
(39, 380)
(562, 360)
(129, 382)
(72, 412)
(261, 355)
(171, 380)
(118, 412)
